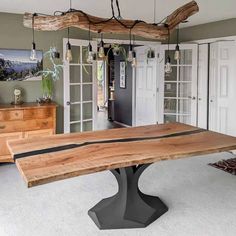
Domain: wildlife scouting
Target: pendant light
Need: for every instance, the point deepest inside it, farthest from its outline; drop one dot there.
(69, 56)
(168, 67)
(134, 61)
(90, 50)
(130, 53)
(68, 47)
(177, 50)
(33, 54)
(101, 52)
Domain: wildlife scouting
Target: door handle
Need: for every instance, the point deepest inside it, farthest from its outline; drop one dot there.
(193, 98)
(68, 103)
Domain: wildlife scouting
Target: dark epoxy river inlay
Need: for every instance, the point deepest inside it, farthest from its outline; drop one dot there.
(122, 140)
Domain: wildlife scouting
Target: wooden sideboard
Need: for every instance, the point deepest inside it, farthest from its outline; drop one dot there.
(24, 121)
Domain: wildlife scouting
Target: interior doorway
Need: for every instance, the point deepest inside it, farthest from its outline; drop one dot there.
(145, 84)
(102, 88)
(105, 90)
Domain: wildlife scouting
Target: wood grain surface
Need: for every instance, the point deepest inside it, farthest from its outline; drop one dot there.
(49, 167)
(22, 146)
(79, 20)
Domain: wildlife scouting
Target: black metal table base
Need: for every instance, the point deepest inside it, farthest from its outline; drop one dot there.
(129, 208)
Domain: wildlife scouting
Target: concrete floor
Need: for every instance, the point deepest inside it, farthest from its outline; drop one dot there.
(103, 123)
(201, 201)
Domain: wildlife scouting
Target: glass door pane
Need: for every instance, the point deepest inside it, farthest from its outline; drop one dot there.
(80, 90)
(178, 88)
(75, 89)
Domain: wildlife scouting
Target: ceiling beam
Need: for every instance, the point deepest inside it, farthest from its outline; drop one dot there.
(80, 20)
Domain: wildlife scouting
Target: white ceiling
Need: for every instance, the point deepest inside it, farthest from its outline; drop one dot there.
(210, 10)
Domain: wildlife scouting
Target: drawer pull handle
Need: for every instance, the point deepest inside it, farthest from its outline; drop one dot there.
(2, 126)
(45, 123)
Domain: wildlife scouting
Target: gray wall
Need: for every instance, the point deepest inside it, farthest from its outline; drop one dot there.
(15, 36)
(123, 97)
(209, 30)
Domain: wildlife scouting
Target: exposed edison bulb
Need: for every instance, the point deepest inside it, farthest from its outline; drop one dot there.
(101, 52)
(33, 54)
(90, 58)
(130, 54)
(168, 66)
(90, 54)
(177, 53)
(68, 52)
(134, 61)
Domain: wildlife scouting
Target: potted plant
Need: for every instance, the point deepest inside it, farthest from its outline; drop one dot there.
(47, 89)
(49, 75)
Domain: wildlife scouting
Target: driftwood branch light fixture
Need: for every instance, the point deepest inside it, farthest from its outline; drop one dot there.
(117, 25)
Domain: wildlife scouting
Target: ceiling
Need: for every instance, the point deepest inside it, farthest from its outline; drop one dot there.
(210, 10)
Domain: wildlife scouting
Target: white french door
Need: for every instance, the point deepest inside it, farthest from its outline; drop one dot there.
(203, 64)
(222, 87)
(79, 88)
(178, 90)
(145, 76)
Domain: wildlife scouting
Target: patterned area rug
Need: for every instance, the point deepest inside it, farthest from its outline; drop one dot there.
(226, 165)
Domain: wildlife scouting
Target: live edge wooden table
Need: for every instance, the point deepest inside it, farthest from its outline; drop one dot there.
(126, 152)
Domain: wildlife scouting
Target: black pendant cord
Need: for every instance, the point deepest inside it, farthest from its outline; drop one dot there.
(121, 140)
(118, 8)
(178, 35)
(89, 33)
(168, 42)
(113, 17)
(68, 34)
(33, 27)
(130, 40)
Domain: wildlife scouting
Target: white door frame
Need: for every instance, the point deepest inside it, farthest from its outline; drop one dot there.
(203, 80)
(163, 48)
(156, 47)
(66, 83)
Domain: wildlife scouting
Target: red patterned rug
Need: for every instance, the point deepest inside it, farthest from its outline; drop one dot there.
(226, 165)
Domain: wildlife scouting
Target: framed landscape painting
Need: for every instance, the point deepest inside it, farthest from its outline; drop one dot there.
(15, 65)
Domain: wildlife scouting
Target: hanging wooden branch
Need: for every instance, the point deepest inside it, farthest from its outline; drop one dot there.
(81, 20)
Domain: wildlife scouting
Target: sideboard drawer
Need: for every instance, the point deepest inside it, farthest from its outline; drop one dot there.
(40, 113)
(29, 120)
(11, 115)
(26, 125)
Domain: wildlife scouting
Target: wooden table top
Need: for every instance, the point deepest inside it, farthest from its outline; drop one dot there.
(69, 155)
